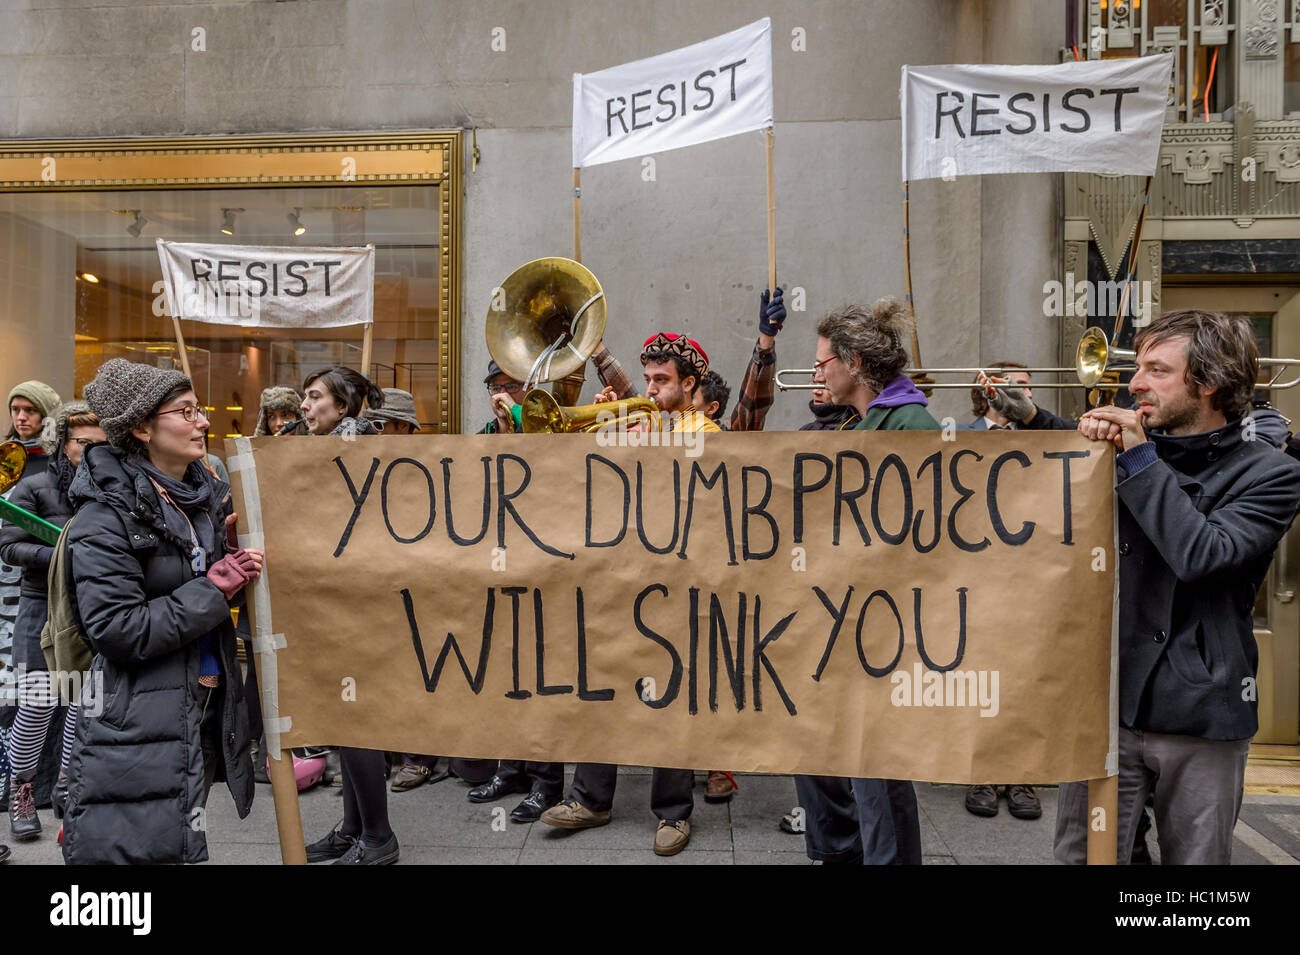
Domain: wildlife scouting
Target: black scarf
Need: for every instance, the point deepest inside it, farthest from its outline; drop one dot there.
(193, 495)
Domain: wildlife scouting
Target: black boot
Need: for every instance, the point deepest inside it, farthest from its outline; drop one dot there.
(23, 821)
(59, 795)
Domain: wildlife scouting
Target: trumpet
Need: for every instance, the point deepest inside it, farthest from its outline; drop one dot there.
(542, 414)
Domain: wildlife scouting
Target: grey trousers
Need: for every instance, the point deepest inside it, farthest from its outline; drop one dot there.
(1197, 785)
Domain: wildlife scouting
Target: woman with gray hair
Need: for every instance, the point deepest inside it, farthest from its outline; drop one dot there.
(155, 572)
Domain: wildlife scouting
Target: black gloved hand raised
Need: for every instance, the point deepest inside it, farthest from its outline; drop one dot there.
(771, 313)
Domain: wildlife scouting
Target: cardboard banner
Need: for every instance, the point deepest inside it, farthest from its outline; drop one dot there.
(1092, 116)
(863, 604)
(269, 286)
(710, 90)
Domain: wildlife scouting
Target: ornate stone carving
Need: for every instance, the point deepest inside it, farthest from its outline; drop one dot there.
(1214, 23)
(1259, 23)
(1199, 164)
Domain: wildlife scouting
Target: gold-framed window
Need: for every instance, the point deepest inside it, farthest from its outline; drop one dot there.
(81, 278)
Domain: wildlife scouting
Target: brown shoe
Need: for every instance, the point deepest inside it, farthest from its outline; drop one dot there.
(982, 800)
(671, 837)
(572, 814)
(1022, 802)
(720, 786)
(409, 776)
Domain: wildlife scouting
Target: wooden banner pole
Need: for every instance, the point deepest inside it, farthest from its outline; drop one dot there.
(288, 814)
(907, 278)
(1130, 269)
(1103, 820)
(577, 213)
(366, 341)
(771, 210)
(180, 344)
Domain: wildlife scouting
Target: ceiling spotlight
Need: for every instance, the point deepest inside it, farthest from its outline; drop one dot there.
(136, 227)
(90, 277)
(228, 221)
(296, 221)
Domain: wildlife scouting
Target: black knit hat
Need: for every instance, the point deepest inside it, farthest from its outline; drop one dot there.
(125, 393)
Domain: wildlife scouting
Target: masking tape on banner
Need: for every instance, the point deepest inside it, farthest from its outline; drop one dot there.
(272, 643)
(265, 639)
(254, 541)
(239, 462)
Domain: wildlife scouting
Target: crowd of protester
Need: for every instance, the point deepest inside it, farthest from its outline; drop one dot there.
(142, 591)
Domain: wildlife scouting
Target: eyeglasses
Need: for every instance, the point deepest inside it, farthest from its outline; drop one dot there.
(510, 388)
(190, 413)
(84, 442)
(824, 361)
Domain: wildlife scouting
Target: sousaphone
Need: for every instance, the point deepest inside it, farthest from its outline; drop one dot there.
(544, 322)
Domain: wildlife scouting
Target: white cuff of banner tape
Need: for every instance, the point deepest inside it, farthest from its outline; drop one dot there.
(254, 541)
(269, 644)
(238, 462)
(1112, 764)
(274, 729)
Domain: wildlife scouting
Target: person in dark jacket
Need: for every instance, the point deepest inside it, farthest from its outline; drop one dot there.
(1009, 408)
(75, 428)
(334, 398)
(30, 403)
(154, 578)
(827, 415)
(1201, 505)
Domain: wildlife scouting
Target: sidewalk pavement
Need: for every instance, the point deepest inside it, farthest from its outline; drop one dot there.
(435, 824)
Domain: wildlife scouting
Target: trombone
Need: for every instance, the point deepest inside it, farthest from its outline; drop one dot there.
(1095, 358)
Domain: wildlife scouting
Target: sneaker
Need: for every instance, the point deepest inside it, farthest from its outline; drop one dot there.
(571, 814)
(331, 847)
(982, 800)
(24, 823)
(720, 787)
(1022, 802)
(5, 851)
(671, 837)
(361, 854)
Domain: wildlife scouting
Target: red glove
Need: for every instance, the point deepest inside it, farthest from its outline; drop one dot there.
(233, 572)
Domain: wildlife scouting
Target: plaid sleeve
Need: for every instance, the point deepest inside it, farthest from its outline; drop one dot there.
(755, 391)
(611, 373)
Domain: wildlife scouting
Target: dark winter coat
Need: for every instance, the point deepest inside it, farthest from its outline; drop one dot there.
(40, 495)
(828, 417)
(1198, 521)
(137, 769)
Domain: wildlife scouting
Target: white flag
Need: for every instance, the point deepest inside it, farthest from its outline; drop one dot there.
(707, 91)
(269, 286)
(1092, 116)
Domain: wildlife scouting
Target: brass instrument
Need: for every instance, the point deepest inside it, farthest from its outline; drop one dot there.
(13, 461)
(542, 414)
(1096, 363)
(545, 321)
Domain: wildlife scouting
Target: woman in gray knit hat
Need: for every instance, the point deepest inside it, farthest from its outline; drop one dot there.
(155, 570)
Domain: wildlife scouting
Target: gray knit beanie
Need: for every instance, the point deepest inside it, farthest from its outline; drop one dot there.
(125, 393)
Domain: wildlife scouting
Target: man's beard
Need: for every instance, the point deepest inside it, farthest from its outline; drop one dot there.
(1169, 420)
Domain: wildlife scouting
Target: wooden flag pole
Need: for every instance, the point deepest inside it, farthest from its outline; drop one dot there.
(1130, 269)
(577, 213)
(907, 278)
(288, 814)
(180, 344)
(366, 340)
(771, 210)
(1103, 820)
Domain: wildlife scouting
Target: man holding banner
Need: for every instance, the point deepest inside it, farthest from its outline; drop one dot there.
(1202, 505)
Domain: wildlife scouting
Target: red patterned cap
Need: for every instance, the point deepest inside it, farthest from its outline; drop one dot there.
(680, 346)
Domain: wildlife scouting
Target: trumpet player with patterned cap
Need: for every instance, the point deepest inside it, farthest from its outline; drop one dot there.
(674, 366)
(1201, 506)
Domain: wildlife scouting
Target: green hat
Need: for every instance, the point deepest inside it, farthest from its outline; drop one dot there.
(45, 398)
